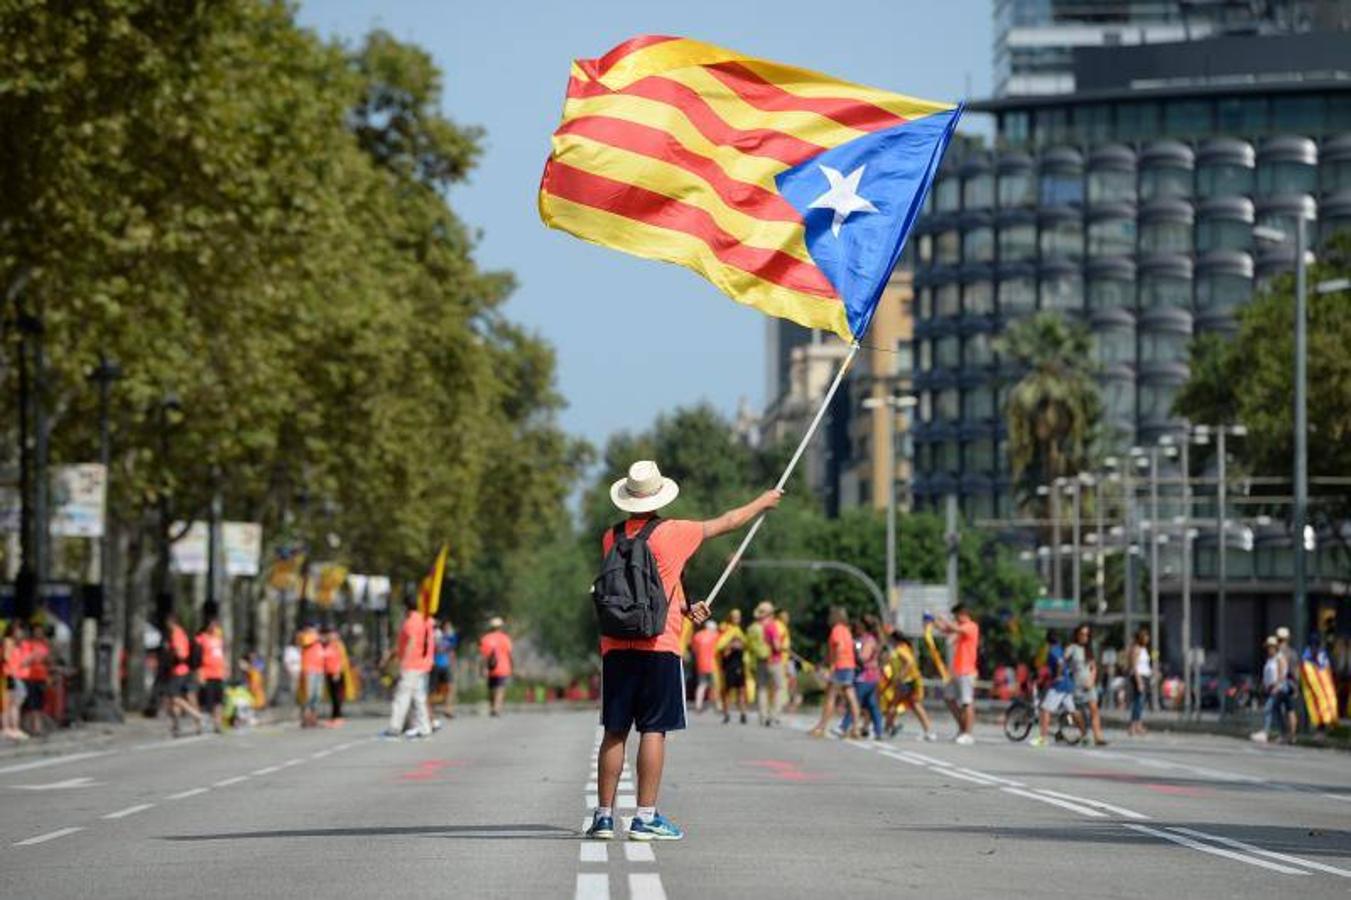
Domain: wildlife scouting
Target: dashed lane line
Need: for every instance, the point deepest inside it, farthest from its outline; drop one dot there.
(266, 770)
(49, 836)
(639, 853)
(953, 773)
(226, 782)
(593, 852)
(1055, 801)
(646, 886)
(1118, 810)
(130, 811)
(1269, 854)
(53, 761)
(1215, 851)
(191, 792)
(593, 886)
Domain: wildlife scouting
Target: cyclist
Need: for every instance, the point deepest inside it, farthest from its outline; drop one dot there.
(1060, 694)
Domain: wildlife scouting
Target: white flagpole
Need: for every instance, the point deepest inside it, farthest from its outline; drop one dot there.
(787, 473)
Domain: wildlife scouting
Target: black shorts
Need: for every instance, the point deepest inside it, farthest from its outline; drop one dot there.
(497, 681)
(643, 690)
(440, 677)
(211, 694)
(177, 686)
(37, 696)
(733, 676)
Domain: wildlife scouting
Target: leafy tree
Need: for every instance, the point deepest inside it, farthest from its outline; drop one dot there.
(1053, 409)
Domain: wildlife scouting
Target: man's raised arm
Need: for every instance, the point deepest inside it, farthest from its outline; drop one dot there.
(742, 515)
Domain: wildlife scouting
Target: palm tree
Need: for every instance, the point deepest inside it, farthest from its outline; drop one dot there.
(1053, 408)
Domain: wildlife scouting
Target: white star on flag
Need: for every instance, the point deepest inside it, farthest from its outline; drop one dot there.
(842, 197)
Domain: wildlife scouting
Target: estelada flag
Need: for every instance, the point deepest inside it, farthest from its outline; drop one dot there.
(429, 591)
(793, 192)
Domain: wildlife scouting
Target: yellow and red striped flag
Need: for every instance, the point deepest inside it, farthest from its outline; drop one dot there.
(791, 191)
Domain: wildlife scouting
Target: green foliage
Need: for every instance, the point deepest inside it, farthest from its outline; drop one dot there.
(1053, 409)
(253, 221)
(1250, 379)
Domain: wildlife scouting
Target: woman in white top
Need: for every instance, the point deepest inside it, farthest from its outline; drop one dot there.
(1142, 671)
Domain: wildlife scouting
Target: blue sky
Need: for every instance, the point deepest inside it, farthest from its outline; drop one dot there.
(636, 338)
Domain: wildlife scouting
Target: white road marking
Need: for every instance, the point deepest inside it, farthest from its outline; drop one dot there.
(1215, 851)
(945, 771)
(623, 786)
(129, 811)
(1063, 804)
(49, 836)
(1119, 810)
(1269, 854)
(646, 886)
(267, 770)
(292, 762)
(226, 782)
(53, 761)
(320, 754)
(66, 785)
(181, 795)
(172, 742)
(627, 822)
(626, 801)
(593, 852)
(639, 853)
(1345, 797)
(590, 801)
(900, 757)
(593, 886)
(928, 759)
(995, 778)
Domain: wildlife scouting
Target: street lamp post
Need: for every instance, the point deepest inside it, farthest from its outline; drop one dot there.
(102, 706)
(1056, 575)
(894, 403)
(1301, 511)
(1154, 562)
(1099, 571)
(1076, 564)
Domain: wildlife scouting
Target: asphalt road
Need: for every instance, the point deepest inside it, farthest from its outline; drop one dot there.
(493, 808)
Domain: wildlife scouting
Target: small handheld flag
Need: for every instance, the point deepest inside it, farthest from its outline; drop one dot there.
(793, 192)
(429, 591)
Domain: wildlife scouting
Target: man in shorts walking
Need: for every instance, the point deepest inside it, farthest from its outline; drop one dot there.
(643, 686)
(494, 648)
(964, 634)
(1059, 697)
(705, 647)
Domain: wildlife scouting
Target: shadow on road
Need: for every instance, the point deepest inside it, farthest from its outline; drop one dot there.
(459, 832)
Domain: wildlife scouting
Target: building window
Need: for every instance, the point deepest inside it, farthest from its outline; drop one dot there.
(948, 352)
(1222, 291)
(1016, 128)
(978, 351)
(1111, 186)
(926, 358)
(1114, 345)
(946, 405)
(1094, 123)
(978, 404)
(1118, 400)
(980, 456)
(949, 194)
(1188, 118)
(1166, 236)
(1062, 189)
(1164, 292)
(978, 191)
(978, 298)
(1111, 293)
(1062, 239)
(948, 248)
(1017, 189)
(926, 411)
(1137, 121)
(1223, 179)
(905, 356)
(1052, 126)
(1017, 296)
(1165, 181)
(945, 456)
(1017, 242)
(1163, 346)
(947, 301)
(1063, 291)
(1111, 237)
(926, 303)
(1302, 115)
(1245, 116)
(1286, 177)
(1217, 233)
(978, 245)
(1335, 175)
(1156, 402)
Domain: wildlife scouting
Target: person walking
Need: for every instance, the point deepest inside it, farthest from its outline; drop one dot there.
(211, 671)
(335, 670)
(443, 668)
(964, 633)
(842, 664)
(869, 651)
(15, 690)
(792, 696)
(902, 688)
(1289, 693)
(414, 652)
(177, 683)
(494, 649)
(311, 674)
(762, 638)
(642, 686)
(705, 647)
(1141, 670)
(1083, 667)
(1059, 698)
(1273, 683)
(732, 663)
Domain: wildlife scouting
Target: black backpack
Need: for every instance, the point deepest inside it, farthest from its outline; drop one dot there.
(194, 659)
(629, 597)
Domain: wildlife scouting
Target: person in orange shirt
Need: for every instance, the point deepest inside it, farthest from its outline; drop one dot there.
(15, 668)
(416, 649)
(494, 649)
(964, 633)
(705, 645)
(178, 684)
(211, 673)
(335, 665)
(311, 674)
(843, 668)
(642, 683)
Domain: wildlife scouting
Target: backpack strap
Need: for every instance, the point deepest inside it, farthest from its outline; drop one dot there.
(648, 527)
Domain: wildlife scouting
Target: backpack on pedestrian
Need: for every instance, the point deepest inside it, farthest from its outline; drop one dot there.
(194, 659)
(628, 594)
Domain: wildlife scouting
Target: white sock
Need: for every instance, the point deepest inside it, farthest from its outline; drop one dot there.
(646, 813)
(604, 812)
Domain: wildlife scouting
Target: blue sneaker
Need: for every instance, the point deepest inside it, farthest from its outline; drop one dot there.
(602, 828)
(659, 829)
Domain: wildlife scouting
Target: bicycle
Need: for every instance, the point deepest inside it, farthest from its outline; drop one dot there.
(1022, 713)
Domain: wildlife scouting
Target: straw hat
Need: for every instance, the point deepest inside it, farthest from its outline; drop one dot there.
(496, 622)
(1283, 633)
(1271, 640)
(764, 608)
(644, 489)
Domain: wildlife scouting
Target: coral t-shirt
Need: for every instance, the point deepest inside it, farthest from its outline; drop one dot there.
(178, 642)
(496, 642)
(705, 651)
(334, 657)
(672, 542)
(213, 656)
(415, 644)
(842, 642)
(964, 648)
